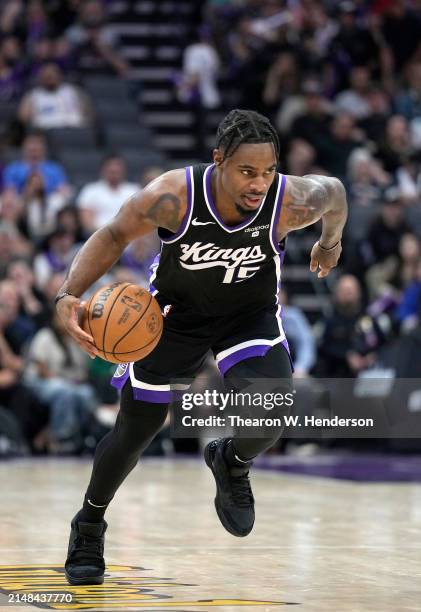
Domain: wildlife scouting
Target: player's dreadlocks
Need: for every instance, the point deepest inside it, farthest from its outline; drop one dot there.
(245, 127)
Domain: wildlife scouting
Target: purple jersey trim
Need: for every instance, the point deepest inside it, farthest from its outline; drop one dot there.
(186, 217)
(278, 205)
(229, 228)
(259, 350)
(152, 272)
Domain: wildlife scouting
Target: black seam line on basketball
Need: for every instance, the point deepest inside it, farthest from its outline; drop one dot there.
(134, 324)
(110, 311)
(128, 352)
(89, 323)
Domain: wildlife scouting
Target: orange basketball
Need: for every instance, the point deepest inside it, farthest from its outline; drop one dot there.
(125, 322)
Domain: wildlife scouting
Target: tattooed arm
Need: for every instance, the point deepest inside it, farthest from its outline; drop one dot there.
(308, 199)
(163, 203)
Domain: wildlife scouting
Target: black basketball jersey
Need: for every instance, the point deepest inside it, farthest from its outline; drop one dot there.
(216, 269)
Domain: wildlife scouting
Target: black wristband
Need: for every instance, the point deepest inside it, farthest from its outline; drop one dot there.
(61, 295)
(330, 248)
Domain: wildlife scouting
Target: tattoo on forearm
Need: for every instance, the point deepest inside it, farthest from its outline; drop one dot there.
(165, 212)
(306, 203)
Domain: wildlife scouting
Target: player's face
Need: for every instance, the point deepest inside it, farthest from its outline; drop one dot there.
(247, 175)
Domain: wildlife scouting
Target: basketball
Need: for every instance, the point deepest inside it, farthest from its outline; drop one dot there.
(125, 322)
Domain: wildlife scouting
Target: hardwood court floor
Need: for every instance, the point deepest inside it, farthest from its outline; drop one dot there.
(318, 545)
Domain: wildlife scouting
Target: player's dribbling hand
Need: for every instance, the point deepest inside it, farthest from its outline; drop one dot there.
(69, 309)
(324, 259)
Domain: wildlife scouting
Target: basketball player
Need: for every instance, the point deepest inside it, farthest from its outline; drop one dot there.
(223, 228)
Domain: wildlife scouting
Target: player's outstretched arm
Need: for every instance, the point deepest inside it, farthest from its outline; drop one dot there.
(162, 203)
(308, 199)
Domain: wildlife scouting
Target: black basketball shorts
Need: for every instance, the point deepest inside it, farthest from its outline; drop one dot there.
(186, 339)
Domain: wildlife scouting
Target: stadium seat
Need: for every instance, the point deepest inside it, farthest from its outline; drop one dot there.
(139, 159)
(104, 87)
(71, 138)
(121, 136)
(122, 112)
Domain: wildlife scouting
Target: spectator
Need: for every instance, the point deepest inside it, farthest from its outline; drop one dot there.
(300, 158)
(355, 100)
(396, 146)
(34, 159)
(408, 101)
(282, 80)
(366, 179)
(393, 275)
(387, 229)
(312, 124)
(322, 29)
(12, 243)
(47, 50)
(93, 43)
(24, 409)
(20, 328)
(200, 73)
(33, 24)
(40, 208)
(408, 310)
(353, 45)
(12, 209)
(33, 303)
(54, 104)
(337, 337)
(68, 217)
(98, 202)
(60, 248)
(374, 124)
(300, 337)
(365, 183)
(401, 29)
(335, 150)
(12, 70)
(57, 374)
(409, 178)
(9, 16)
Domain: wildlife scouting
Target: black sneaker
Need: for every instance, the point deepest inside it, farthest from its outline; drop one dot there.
(234, 500)
(85, 557)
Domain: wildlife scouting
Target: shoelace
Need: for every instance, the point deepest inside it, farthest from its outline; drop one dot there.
(87, 548)
(241, 491)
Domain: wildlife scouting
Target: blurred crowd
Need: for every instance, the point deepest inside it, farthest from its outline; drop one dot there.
(341, 82)
(53, 399)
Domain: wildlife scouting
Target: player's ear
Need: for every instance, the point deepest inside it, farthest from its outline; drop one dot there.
(217, 157)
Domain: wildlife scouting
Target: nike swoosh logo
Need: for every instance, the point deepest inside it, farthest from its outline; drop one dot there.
(196, 222)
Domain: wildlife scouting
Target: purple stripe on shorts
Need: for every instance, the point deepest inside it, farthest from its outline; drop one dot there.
(278, 205)
(155, 397)
(259, 350)
(286, 347)
(189, 206)
(119, 379)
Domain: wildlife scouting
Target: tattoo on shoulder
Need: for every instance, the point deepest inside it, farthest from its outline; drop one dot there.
(165, 212)
(306, 202)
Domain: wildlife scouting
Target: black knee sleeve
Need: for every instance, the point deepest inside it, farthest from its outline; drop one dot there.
(118, 452)
(274, 375)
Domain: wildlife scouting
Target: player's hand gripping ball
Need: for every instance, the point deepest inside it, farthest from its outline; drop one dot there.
(125, 322)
